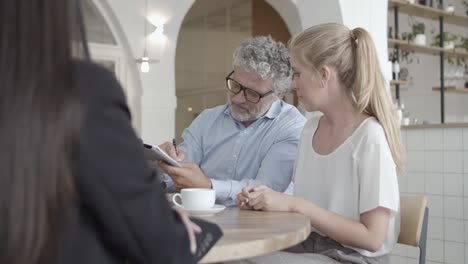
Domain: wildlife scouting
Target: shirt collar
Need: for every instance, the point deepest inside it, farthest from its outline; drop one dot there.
(275, 109)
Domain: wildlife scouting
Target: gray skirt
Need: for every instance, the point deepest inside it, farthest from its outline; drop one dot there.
(316, 249)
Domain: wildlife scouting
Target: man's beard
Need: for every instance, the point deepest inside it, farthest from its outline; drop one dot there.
(246, 114)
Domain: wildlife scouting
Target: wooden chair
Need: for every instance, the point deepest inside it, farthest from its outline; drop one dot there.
(413, 227)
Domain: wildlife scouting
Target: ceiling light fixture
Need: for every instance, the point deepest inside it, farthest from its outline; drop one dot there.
(145, 60)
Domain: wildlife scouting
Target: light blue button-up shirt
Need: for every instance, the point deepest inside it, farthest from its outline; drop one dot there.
(234, 156)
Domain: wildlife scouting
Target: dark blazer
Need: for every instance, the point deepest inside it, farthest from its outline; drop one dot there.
(122, 213)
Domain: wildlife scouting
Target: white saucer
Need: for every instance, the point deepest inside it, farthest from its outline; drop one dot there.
(211, 211)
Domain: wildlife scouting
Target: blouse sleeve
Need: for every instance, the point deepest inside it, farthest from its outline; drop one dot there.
(378, 184)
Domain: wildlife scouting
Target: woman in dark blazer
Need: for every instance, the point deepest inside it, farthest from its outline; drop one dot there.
(74, 184)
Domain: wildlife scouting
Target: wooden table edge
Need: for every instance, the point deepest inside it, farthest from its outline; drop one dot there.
(259, 246)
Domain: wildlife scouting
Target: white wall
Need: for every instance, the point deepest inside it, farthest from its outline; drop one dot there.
(372, 16)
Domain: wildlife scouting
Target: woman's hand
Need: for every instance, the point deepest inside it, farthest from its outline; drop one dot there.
(242, 199)
(192, 229)
(263, 198)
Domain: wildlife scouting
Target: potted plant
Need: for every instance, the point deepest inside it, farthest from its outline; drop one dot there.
(459, 62)
(462, 43)
(408, 56)
(450, 8)
(418, 35)
(449, 40)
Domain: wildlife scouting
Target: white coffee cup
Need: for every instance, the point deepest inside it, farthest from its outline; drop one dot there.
(195, 198)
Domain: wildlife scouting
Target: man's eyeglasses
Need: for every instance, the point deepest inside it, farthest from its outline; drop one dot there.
(249, 94)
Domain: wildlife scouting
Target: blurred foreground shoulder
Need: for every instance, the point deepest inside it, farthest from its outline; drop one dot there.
(97, 80)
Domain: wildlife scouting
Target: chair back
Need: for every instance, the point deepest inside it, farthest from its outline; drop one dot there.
(413, 226)
(412, 210)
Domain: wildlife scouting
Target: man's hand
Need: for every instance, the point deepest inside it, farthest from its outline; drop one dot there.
(190, 176)
(168, 147)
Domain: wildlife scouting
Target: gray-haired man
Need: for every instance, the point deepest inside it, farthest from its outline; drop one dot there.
(250, 140)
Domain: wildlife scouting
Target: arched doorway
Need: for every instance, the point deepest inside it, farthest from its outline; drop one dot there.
(103, 45)
(209, 33)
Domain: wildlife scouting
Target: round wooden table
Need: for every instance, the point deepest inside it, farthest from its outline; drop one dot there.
(253, 233)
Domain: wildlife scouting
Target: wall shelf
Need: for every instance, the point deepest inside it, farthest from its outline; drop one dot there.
(428, 12)
(398, 82)
(431, 50)
(445, 125)
(452, 89)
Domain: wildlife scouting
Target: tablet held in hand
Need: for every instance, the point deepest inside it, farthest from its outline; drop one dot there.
(156, 153)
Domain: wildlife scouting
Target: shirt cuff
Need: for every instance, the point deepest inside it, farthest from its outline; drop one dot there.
(222, 188)
(169, 184)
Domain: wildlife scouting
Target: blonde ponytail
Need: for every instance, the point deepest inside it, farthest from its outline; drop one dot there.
(372, 96)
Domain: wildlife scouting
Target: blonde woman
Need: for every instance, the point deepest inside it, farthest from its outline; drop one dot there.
(348, 157)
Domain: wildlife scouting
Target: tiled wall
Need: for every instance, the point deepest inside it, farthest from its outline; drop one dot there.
(438, 168)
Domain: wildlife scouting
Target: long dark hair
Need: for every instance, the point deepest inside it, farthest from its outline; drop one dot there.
(39, 127)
